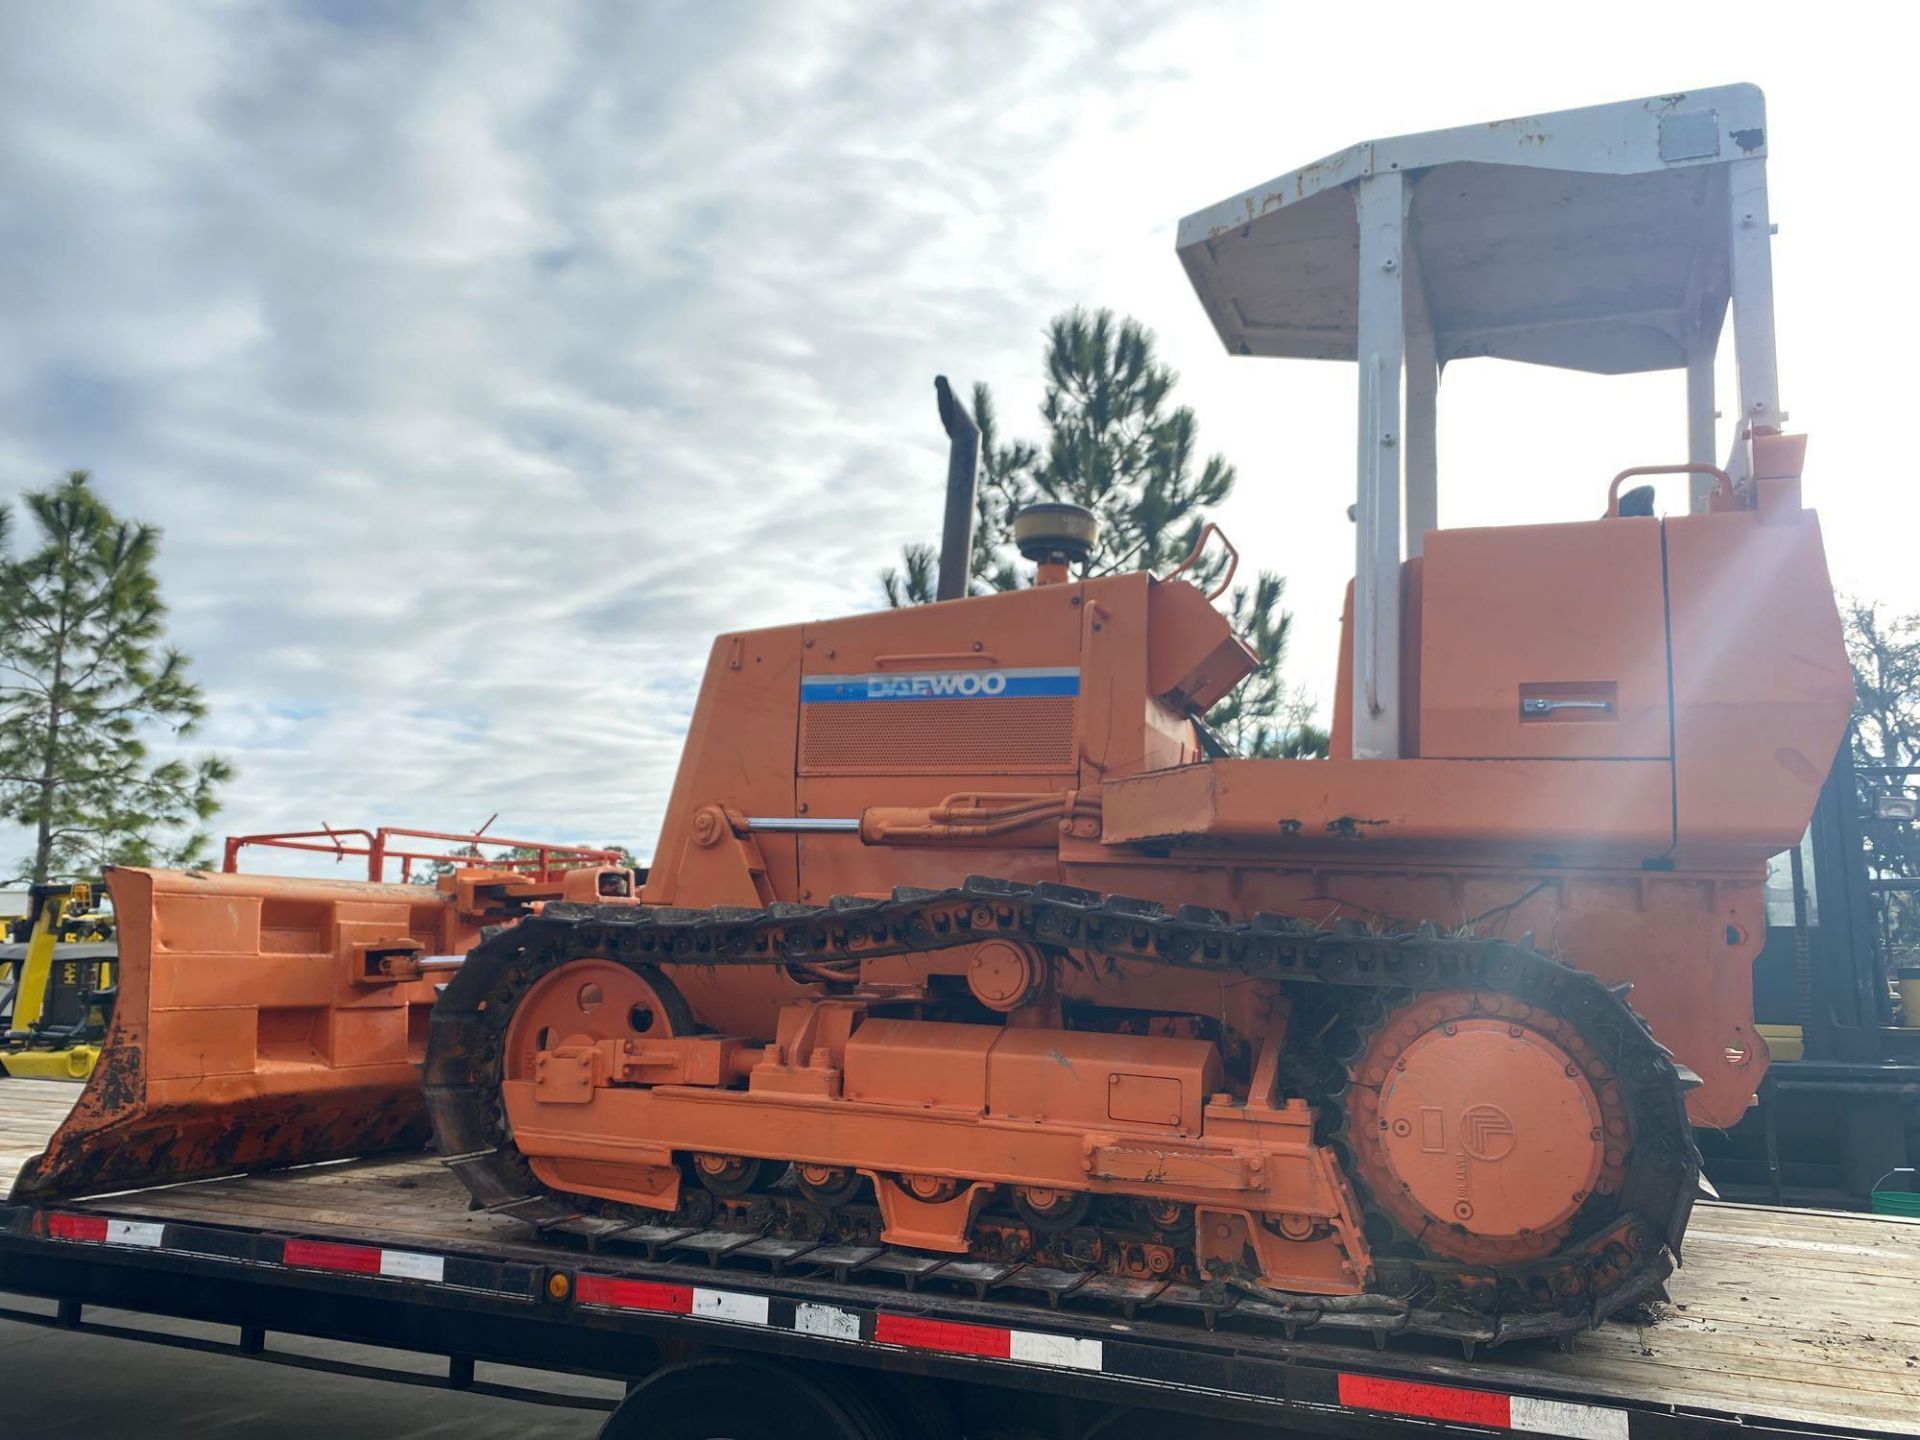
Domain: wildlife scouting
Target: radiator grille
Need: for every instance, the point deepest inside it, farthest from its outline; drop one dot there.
(1023, 735)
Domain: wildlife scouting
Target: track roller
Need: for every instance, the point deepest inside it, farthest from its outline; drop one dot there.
(828, 1186)
(732, 1175)
(1048, 1209)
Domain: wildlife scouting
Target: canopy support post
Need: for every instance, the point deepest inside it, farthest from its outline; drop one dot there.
(1750, 249)
(1381, 202)
(1423, 400)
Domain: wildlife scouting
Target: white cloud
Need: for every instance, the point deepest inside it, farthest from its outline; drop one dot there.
(482, 361)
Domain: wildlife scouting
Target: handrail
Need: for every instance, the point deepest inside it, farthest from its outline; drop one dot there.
(1692, 467)
(1199, 545)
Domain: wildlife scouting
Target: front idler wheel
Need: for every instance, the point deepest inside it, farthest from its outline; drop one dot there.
(588, 1001)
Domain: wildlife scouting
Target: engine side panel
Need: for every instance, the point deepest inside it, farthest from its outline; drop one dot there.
(1544, 642)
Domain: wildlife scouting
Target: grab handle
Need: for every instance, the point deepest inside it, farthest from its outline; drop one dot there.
(1723, 488)
(1199, 545)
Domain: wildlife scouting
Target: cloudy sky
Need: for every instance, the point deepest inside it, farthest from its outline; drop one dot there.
(482, 361)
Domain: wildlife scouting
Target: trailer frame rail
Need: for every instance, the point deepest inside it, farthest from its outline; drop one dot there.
(605, 1314)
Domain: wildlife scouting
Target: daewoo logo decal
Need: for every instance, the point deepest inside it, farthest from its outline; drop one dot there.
(950, 682)
(939, 685)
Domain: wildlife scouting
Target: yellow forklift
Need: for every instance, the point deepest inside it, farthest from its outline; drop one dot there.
(57, 984)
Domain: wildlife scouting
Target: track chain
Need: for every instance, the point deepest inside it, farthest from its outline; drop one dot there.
(1624, 1245)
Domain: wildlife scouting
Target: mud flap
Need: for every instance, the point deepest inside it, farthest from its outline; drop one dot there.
(249, 1033)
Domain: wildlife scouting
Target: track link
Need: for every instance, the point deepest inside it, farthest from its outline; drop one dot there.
(1621, 1247)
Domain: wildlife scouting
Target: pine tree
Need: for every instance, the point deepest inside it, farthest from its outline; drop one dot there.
(1262, 718)
(1116, 445)
(85, 675)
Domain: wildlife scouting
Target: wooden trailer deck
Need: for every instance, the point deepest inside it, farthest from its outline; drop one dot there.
(30, 1111)
(1787, 1317)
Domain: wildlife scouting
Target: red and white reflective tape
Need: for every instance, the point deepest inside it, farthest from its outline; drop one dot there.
(296, 1254)
(695, 1300)
(1450, 1404)
(102, 1231)
(1414, 1399)
(363, 1260)
(1032, 1347)
(991, 1342)
(1524, 1413)
(515, 1280)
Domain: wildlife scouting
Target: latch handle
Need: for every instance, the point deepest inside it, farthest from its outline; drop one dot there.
(1540, 705)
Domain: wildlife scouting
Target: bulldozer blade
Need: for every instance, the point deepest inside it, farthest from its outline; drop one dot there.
(254, 1028)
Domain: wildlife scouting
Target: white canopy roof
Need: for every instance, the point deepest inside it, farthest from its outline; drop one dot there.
(1613, 239)
(1592, 239)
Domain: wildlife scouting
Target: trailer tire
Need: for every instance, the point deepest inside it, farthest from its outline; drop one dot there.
(730, 1398)
(920, 1409)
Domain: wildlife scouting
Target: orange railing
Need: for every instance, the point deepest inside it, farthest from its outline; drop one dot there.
(541, 860)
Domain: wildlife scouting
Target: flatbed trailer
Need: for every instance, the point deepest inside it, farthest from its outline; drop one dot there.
(1780, 1321)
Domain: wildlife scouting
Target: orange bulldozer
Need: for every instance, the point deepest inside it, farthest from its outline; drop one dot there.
(964, 935)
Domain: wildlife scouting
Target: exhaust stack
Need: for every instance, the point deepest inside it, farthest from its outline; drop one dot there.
(963, 467)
